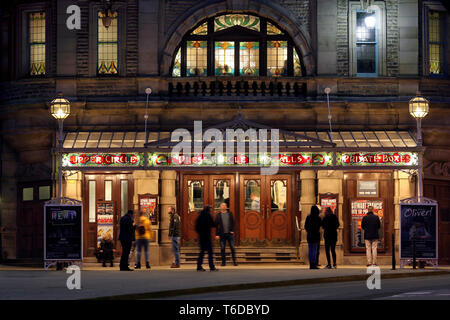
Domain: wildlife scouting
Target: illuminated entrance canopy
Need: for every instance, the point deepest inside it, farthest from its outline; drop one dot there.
(333, 160)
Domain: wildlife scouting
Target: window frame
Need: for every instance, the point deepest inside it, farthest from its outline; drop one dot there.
(360, 74)
(237, 34)
(434, 7)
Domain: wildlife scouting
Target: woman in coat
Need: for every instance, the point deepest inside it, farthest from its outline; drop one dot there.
(330, 224)
(312, 227)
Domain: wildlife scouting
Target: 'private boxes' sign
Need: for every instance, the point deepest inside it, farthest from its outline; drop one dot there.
(62, 232)
(419, 222)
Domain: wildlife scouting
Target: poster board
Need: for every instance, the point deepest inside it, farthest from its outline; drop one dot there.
(148, 204)
(358, 209)
(419, 220)
(63, 232)
(329, 200)
(105, 220)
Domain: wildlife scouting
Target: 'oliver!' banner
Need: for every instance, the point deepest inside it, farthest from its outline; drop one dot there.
(418, 221)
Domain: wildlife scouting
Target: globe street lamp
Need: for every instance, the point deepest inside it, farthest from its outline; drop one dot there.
(148, 92)
(419, 108)
(60, 110)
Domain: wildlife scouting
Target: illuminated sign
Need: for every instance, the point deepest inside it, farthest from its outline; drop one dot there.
(320, 159)
(103, 160)
(378, 159)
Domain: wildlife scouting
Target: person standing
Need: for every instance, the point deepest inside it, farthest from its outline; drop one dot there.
(312, 227)
(143, 236)
(126, 238)
(175, 233)
(203, 226)
(330, 225)
(371, 226)
(225, 231)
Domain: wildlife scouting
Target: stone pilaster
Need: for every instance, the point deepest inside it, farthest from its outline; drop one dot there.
(168, 198)
(73, 185)
(307, 200)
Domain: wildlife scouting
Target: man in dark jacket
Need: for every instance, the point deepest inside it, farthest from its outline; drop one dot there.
(312, 227)
(330, 224)
(225, 231)
(203, 226)
(371, 226)
(126, 237)
(175, 233)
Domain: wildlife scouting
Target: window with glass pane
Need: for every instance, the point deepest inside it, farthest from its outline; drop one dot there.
(435, 42)
(277, 54)
(278, 195)
(231, 20)
(36, 23)
(272, 30)
(252, 195)
(108, 190)
(221, 193)
(297, 65)
(197, 59)
(249, 58)
(27, 194)
(123, 197)
(201, 30)
(224, 58)
(44, 192)
(366, 43)
(107, 45)
(176, 70)
(195, 193)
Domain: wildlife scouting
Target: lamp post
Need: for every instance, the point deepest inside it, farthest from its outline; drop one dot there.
(419, 108)
(148, 92)
(60, 110)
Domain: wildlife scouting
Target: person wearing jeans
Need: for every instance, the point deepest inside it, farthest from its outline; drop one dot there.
(143, 236)
(371, 226)
(175, 233)
(330, 225)
(312, 227)
(225, 231)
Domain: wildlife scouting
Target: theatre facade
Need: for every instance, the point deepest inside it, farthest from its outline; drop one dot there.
(253, 69)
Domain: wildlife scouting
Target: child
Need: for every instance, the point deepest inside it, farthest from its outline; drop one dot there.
(107, 250)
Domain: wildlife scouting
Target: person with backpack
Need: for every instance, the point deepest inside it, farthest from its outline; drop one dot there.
(203, 226)
(371, 226)
(312, 227)
(330, 225)
(143, 236)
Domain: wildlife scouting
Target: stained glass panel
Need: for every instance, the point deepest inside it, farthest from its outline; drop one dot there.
(249, 58)
(176, 70)
(201, 30)
(272, 30)
(107, 45)
(276, 58)
(197, 59)
(231, 20)
(297, 65)
(224, 58)
(435, 44)
(37, 43)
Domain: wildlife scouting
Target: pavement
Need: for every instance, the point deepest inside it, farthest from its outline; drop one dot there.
(163, 282)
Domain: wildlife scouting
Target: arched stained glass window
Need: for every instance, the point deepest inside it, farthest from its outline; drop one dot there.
(237, 45)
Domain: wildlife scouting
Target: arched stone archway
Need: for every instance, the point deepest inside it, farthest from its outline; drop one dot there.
(267, 9)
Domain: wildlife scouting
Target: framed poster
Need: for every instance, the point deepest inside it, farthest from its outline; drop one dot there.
(329, 200)
(367, 188)
(358, 209)
(63, 232)
(419, 221)
(148, 204)
(105, 220)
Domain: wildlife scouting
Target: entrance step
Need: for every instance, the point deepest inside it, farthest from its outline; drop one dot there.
(188, 255)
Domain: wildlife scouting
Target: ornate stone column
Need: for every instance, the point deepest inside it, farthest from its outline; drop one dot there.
(307, 200)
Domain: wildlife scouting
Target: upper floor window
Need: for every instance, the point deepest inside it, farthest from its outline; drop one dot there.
(366, 43)
(107, 43)
(436, 42)
(237, 45)
(36, 43)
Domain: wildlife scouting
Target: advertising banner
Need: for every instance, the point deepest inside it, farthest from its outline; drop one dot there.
(105, 221)
(62, 232)
(329, 200)
(359, 209)
(148, 205)
(418, 221)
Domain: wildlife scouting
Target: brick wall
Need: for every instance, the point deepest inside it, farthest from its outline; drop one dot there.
(299, 9)
(174, 9)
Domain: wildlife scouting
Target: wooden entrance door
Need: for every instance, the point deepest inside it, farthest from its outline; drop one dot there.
(202, 190)
(116, 189)
(265, 209)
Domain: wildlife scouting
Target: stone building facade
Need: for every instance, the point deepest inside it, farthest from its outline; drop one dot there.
(323, 33)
